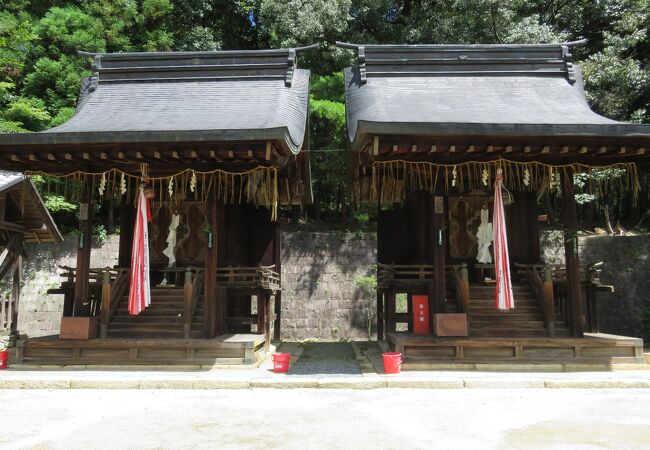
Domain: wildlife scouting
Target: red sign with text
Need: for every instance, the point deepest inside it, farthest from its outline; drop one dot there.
(420, 314)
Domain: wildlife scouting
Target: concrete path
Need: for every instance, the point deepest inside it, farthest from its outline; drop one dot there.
(314, 419)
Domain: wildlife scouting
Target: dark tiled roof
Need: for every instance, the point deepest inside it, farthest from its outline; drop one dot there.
(9, 179)
(192, 96)
(32, 207)
(471, 89)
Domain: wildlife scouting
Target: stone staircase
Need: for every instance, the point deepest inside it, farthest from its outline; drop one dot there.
(525, 320)
(162, 319)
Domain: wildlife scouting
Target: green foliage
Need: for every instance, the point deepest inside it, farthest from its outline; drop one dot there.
(327, 131)
(57, 203)
(156, 10)
(29, 112)
(328, 87)
(64, 31)
(62, 116)
(100, 233)
(368, 286)
(16, 35)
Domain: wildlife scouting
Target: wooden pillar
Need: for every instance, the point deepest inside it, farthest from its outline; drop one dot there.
(213, 327)
(3, 205)
(15, 291)
(439, 252)
(549, 306)
(267, 321)
(380, 315)
(277, 307)
(187, 303)
(126, 232)
(261, 302)
(105, 309)
(570, 217)
(390, 311)
(82, 286)
(464, 288)
(409, 312)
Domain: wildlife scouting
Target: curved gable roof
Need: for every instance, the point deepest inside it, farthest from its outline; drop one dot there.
(188, 96)
(471, 89)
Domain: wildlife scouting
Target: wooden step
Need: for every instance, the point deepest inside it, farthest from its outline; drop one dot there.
(483, 332)
(492, 310)
(149, 335)
(530, 324)
(508, 317)
(491, 297)
(153, 319)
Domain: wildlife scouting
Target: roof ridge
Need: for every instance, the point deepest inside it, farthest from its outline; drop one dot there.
(240, 65)
(460, 59)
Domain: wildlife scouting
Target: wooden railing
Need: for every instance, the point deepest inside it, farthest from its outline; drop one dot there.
(192, 290)
(115, 283)
(460, 282)
(264, 277)
(540, 278)
(389, 273)
(6, 313)
(96, 281)
(590, 284)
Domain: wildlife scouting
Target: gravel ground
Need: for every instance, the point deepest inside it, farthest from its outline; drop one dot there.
(303, 419)
(326, 359)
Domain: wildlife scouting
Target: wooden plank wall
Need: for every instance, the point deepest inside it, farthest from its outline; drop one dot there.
(405, 233)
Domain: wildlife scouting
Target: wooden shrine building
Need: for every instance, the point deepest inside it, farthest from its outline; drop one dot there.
(216, 139)
(24, 219)
(429, 126)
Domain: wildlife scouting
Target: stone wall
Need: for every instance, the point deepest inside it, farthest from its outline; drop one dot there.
(626, 265)
(321, 297)
(39, 314)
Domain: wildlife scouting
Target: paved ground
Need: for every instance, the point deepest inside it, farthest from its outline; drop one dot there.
(312, 418)
(326, 358)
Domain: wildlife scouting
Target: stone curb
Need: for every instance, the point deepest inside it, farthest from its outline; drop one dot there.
(379, 382)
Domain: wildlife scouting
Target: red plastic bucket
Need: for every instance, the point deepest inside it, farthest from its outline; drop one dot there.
(281, 362)
(392, 362)
(4, 357)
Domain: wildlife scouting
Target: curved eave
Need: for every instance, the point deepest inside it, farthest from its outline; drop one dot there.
(280, 134)
(605, 131)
